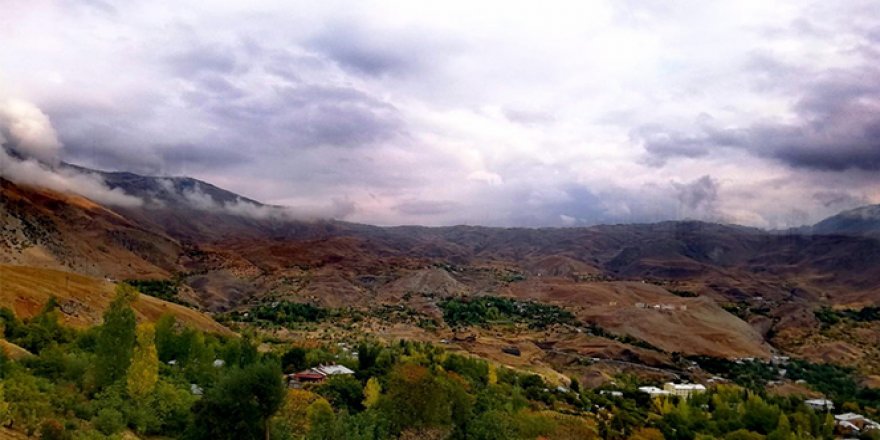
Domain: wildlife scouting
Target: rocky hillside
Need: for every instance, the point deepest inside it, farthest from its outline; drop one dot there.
(740, 287)
(864, 221)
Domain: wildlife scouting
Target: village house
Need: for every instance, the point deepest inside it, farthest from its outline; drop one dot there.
(316, 375)
(653, 391)
(854, 424)
(820, 404)
(685, 390)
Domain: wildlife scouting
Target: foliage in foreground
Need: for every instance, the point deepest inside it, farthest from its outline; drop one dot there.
(168, 380)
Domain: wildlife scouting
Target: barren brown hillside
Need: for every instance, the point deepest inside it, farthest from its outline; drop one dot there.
(83, 299)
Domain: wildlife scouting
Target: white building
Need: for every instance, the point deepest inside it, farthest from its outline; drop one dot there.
(683, 389)
(653, 391)
(855, 423)
(820, 404)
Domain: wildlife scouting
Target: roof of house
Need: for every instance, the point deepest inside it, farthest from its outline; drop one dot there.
(849, 416)
(323, 371)
(848, 425)
(308, 374)
(652, 390)
(331, 370)
(687, 386)
(822, 402)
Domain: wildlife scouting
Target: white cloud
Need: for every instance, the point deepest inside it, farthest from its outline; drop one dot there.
(29, 131)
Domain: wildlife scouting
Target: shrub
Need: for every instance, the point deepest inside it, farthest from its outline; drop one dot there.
(109, 421)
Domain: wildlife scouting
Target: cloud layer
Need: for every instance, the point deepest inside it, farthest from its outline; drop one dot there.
(753, 112)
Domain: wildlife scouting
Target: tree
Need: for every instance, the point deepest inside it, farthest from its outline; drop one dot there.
(116, 337)
(5, 416)
(240, 405)
(292, 418)
(344, 392)
(43, 330)
(294, 360)
(492, 375)
(783, 430)
(415, 398)
(166, 338)
(322, 421)
(372, 392)
(144, 370)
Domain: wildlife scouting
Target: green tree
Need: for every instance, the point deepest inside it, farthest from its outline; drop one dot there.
(322, 421)
(167, 345)
(43, 330)
(343, 392)
(414, 398)
(240, 405)
(782, 431)
(109, 421)
(116, 338)
(294, 360)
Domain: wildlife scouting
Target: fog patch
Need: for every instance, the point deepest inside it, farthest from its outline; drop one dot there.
(29, 155)
(337, 208)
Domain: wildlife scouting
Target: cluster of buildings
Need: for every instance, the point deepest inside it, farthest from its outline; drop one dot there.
(849, 424)
(853, 424)
(684, 390)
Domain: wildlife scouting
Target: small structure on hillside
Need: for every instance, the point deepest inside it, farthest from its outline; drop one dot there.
(316, 375)
(511, 350)
(820, 404)
(685, 390)
(854, 424)
(653, 391)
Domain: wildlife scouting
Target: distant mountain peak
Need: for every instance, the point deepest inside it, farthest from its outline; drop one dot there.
(864, 221)
(166, 189)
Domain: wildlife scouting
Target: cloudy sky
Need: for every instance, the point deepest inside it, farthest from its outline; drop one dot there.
(764, 113)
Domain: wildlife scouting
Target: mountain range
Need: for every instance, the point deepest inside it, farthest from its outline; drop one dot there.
(725, 290)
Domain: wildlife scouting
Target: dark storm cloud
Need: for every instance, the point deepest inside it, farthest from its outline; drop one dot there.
(229, 121)
(307, 115)
(376, 52)
(839, 199)
(836, 128)
(568, 205)
(699, 195)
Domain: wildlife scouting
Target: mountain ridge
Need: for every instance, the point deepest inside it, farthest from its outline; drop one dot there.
(230, 260)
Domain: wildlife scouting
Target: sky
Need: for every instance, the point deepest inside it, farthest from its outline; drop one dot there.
(497, 113)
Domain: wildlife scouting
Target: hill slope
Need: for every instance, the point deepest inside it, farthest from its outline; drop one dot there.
(863, 221)
(231, 256)
(82, 299)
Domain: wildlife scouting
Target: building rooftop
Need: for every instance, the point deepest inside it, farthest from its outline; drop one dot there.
(652, 390)
(687, 386)
(331, 370)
